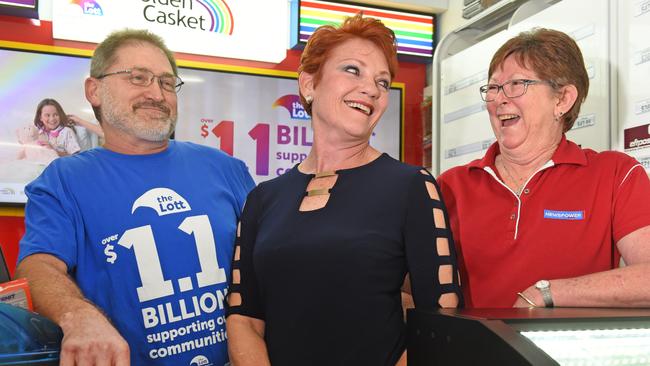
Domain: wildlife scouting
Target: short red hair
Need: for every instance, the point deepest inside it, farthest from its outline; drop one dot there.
(326, 37)
(554, 56)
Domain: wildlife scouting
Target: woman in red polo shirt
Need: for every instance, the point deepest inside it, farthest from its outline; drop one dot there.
(539, 221)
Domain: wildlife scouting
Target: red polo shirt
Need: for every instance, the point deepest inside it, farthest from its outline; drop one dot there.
(565, 224)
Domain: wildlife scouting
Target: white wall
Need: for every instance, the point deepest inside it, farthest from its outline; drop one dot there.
(451, 19)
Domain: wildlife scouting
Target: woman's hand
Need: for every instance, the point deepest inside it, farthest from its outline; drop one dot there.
(533, 295)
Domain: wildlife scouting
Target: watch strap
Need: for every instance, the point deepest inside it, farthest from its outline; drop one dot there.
(546, 294)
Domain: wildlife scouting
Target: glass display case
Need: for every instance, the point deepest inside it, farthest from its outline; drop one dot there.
(27, 339)
(535, 336)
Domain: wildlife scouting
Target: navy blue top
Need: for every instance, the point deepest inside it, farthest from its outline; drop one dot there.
(327, 282)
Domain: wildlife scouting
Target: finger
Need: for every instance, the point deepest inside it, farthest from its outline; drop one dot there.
(87, 357)
(104, 359)
(108, 353)
(66, 358)
(122, 358)
(68, 352)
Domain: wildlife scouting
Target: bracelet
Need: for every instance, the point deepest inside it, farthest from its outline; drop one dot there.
(532, 304)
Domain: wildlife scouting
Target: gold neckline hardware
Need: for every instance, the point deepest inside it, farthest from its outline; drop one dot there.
(318, 192)
(330, 173)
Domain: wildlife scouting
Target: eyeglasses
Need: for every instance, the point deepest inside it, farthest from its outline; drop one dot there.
(511, 89)
(144, 77)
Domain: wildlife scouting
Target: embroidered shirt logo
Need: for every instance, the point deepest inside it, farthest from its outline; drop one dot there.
(564, 215)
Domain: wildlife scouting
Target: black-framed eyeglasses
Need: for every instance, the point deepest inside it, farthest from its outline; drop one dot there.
(144, 77)
(511, 88)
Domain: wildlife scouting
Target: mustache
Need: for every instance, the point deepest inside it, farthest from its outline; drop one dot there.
(152, 104)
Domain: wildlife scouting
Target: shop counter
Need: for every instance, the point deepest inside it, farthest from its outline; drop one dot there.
(529, 336)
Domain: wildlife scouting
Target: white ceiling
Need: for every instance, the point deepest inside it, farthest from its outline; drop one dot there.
(427, 6)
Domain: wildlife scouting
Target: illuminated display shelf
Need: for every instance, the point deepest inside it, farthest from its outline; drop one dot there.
(539, 336)
(594, 346)
(19, 8)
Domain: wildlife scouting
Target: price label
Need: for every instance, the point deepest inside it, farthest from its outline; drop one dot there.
(642, 106)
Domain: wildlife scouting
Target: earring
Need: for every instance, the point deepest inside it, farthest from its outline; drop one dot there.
(309, 99)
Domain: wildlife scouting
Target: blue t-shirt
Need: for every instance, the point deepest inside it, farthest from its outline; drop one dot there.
(149, 239)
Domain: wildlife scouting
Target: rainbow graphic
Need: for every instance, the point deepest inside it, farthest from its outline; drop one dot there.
(291, 102)
(220, 15)
(414, 32)
(89, 7)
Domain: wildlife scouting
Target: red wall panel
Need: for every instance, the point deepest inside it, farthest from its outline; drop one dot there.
(12, 229)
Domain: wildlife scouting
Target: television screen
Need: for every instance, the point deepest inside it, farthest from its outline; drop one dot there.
(256, 118)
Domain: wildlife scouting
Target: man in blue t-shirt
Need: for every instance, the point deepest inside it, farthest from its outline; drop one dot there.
(127, 246)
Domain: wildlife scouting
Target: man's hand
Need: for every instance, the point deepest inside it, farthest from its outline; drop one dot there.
(90, 339)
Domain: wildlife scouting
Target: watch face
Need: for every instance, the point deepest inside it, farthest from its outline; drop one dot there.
(542, 284)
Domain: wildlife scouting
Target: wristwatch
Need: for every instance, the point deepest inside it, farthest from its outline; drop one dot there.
(544, 286)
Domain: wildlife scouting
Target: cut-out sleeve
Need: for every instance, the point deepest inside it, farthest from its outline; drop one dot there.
(430, 251)
(243, 291)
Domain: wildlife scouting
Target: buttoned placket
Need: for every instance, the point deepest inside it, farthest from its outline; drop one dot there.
(525, 191)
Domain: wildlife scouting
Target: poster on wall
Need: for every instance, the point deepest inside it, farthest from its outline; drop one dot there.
(636, 142)
(27, 79)
(260, 120)
(255, 118)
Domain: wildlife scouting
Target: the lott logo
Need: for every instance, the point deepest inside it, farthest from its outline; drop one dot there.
(200, 360)
(163, 200)
(291, 103)
(206, 15)
(89, 7)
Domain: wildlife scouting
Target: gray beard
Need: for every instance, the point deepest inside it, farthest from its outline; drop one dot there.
(153, 131)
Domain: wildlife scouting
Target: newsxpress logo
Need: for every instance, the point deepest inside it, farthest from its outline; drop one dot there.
(564, 215)
(291, 103)
(206, 15)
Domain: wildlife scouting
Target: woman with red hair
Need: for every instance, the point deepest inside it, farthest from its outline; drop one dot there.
(323, 250)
